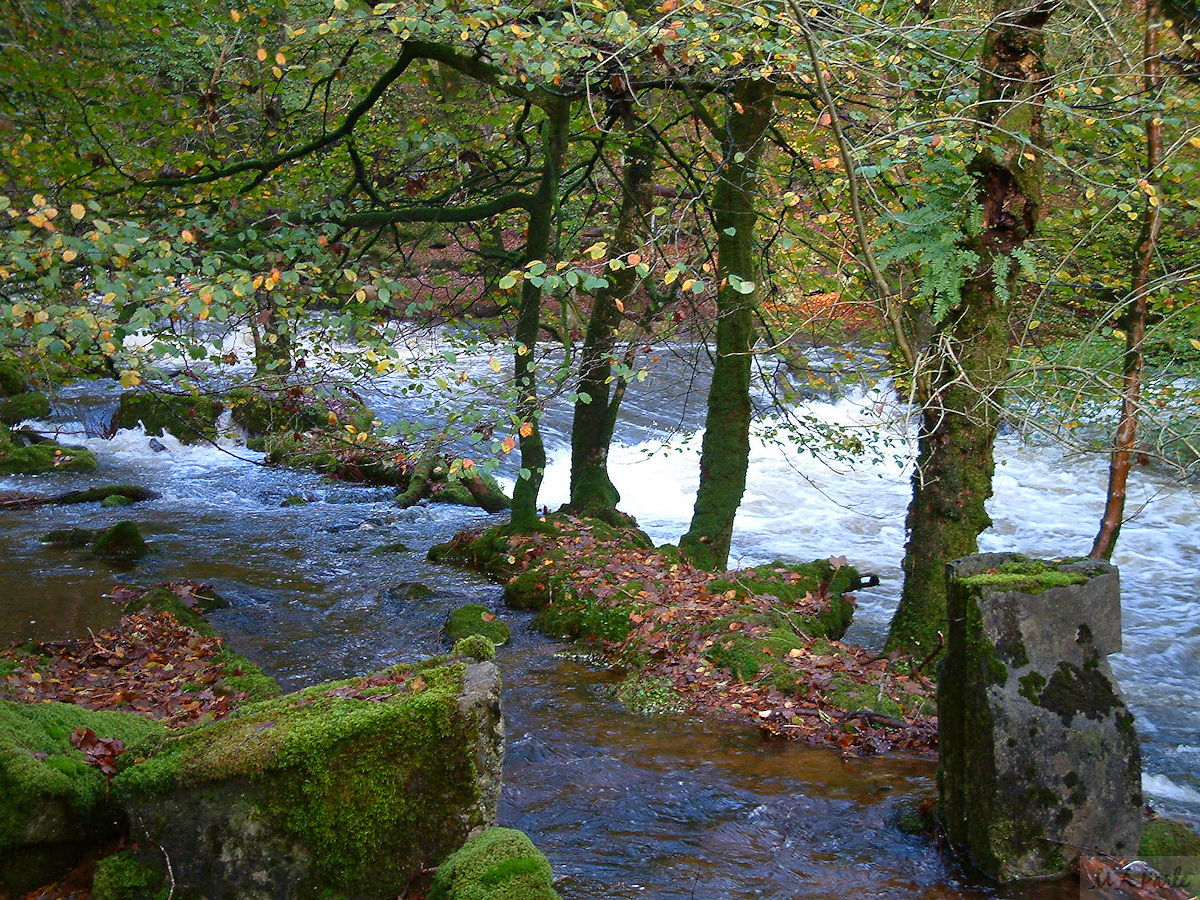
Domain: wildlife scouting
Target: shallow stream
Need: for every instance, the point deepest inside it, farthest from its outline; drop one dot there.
(625, 806)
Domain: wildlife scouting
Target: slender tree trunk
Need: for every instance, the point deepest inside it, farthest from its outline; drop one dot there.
(725, 451)
(542, 217)
(592, 490)
(1139, 301)
(272, 340)
(953, 476)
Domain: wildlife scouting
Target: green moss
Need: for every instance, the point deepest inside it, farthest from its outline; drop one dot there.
(44, 457)
(452, 492)
(395, 547)
(648, 695)
(852, 696)
(277, 407)
(27, 405)
(476, 646)
(39, 768)
(1167, 837)
(13, 377)
(499, 864)
(114, 501)
(362, 784)
(124, 877)
(1031, 686)
(100, 494)
(190, 418)
(1024, 581)
(121, 542)
(1075, 690)
(242, 675)
(475, 618)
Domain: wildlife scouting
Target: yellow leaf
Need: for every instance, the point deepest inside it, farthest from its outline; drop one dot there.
(494, 364)
(468, 463)
(41, 316)
(619, 305)
(261, 54)
(525, 430)
(635, 258)
(1195, 343)
(69, 255)
(77, 211)
(276, 71)
(188, 237)
(235, 15)
(671, 276)
(280, 59)
(508, 443)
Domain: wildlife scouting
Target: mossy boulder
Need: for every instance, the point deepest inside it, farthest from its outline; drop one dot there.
(351, 787)
(13, 377)
(51, 800)
(122, 542)
(130, 492)
(277, 407)
(123, 876)
(475, 618)
(338, 453)
(20, 458)
(26, 405)
(190, 418)
(72, 537)
(499, 864)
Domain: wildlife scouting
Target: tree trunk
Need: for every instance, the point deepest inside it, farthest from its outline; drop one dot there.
(538, 245)
(592, 491)
(725, 450)
(952, 480)
(1139, 301)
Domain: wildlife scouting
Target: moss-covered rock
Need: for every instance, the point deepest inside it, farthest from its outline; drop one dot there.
(130, 492)
(123, 876)
(338, 453)
(475, 618)
(476, 647)
(190, 418)
(121, 543)
(72, 537)
(499, 864)
(13, 377)
(350, 787)
(277, 407)
(26, 405)
(48, 792)
(18, 458)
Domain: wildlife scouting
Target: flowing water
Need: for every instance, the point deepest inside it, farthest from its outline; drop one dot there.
(625, 806)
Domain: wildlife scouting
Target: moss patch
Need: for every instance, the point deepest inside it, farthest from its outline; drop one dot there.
(122, 542)
(648, 695)
(475, 618)
(123, 876)
(27, 405)
(499, 864)
(191, 419)
(43, 777)
(47, 456)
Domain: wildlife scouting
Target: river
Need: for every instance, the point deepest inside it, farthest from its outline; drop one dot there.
(626, 806)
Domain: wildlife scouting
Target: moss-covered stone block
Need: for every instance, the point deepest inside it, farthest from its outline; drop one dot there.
(48, 793)
(350, 787)
(1038, 751)
(191, 419)
(499, 864)
(122, 542)
(475, 618)
(26, 405)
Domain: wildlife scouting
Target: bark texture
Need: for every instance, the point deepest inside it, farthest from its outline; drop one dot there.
(968, 360)
(725, 451)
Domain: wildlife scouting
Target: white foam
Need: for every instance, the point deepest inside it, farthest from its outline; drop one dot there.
(1164, 788)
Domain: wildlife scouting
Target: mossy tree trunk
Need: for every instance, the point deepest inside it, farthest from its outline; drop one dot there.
(592, 490)
(1138, 305)
(272, 339)
(543, 214)
(969, 350)
(725, 450)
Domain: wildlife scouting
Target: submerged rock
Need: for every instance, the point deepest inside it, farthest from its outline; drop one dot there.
(130, 492)
(499, 864)
(51, 801)
(122, 542)
(72, 537)
(475, 618)
(1038, 752)
(351, 787)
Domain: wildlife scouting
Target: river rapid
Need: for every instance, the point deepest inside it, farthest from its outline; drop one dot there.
(626, 806)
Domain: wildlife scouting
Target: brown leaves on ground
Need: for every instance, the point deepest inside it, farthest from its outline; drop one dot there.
(1104, 877)
(148, 664)
(678, 620)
